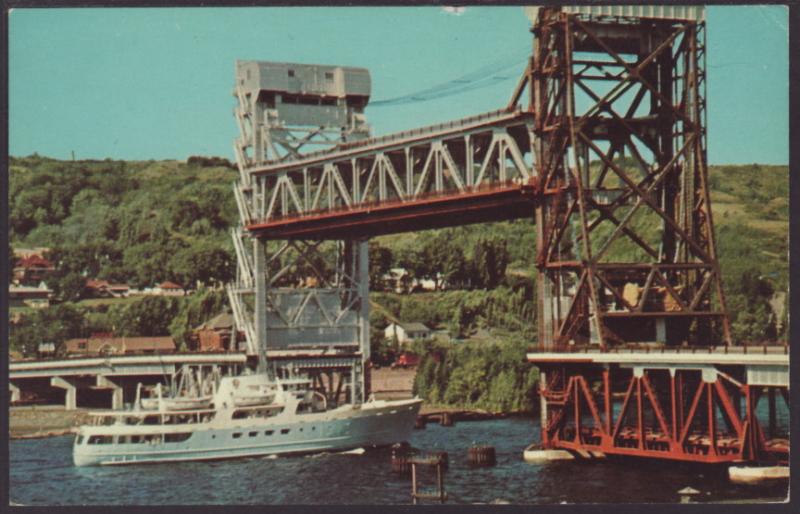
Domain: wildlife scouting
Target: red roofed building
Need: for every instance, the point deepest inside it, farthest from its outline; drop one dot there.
(169, 289)
(32, 269)
(102, 289)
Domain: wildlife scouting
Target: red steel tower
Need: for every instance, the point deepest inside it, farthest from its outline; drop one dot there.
(629, 286)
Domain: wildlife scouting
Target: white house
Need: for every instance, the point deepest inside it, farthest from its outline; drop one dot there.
(407, 332)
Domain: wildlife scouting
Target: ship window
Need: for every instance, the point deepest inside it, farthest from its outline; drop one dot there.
(79, 439)
(313, 428)
(237, 435)
(177, 438)
(152, 439)
(137, 439)
(285, 431)
(269, 432)
(253, 434)
(100, 439)
(329, 76)
(301, 429)
(291, 73)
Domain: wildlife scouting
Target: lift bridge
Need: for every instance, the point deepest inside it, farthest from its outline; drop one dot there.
(603, 144)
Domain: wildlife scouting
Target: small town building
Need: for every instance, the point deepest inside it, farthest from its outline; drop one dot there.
(103, 289)
(45, 350)
(32, 269)
(169, 289)
(27, 296)
(106, 344)
(407, 332)
(216, 334)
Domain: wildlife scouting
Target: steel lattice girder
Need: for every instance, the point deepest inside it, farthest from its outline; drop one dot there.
(415, 180)
(700, 414)
(642, 84)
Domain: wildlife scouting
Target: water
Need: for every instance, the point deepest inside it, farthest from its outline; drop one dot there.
(41, 473)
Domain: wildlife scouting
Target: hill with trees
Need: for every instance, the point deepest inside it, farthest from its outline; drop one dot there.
(143, 222)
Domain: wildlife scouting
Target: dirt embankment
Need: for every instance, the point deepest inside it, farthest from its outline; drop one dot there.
(392, 384)
(43, 421)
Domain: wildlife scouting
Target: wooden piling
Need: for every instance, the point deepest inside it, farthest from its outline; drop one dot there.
(446, 419)
(482, 455)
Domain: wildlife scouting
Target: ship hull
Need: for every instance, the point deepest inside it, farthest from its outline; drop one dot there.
(339, 429)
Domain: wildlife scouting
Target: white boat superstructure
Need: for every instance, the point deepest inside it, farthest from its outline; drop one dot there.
(249, 415)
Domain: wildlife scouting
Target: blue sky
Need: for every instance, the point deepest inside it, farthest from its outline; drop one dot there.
(156, 83)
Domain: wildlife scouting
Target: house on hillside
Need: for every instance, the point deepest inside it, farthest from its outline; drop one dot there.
(407, 332)
(106, 344)
(103, 289)
(32, 269)
(27, 296)
(216, 335)
(169, 289)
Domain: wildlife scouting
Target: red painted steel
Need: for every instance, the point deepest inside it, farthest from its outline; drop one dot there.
(499, 202)
(653, 431)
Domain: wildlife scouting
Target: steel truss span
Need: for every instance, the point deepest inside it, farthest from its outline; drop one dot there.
(698, 413)
(471, 170)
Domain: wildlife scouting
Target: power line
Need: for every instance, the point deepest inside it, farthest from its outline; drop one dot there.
(485, 76)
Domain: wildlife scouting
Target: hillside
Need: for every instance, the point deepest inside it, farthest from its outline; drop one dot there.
(142, 222)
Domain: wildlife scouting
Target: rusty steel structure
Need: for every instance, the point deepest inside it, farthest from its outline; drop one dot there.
(697, 405)
(626, 252)
(603, 145)
(625, 239)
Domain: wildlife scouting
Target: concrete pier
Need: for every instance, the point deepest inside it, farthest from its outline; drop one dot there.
(16, 394)
(117, 396)
(71, 396)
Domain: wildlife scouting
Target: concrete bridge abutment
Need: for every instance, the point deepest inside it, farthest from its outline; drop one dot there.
(71, 396)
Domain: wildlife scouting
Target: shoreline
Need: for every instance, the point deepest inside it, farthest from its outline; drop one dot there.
(51, 421)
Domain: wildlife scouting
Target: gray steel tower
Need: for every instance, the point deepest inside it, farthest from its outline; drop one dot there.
(301, 304)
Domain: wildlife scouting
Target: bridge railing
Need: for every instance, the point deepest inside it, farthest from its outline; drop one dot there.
(405, 134)
(779, 348)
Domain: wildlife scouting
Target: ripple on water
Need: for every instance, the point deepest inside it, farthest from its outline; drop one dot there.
(41, 473)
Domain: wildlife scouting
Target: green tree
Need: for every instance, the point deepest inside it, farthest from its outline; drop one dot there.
(380, 261)
(203, 263)
(490, 261)
(146, 316)
(54, 324)
(12, 259)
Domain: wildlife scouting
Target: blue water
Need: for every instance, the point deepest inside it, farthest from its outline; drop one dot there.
(41, 473)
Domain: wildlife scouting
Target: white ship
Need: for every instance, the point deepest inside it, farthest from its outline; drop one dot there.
(247, 416)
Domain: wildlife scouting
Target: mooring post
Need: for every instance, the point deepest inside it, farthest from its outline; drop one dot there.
(413, 483)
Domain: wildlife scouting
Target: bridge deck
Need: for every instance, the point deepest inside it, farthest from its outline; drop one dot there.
(499, 202)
